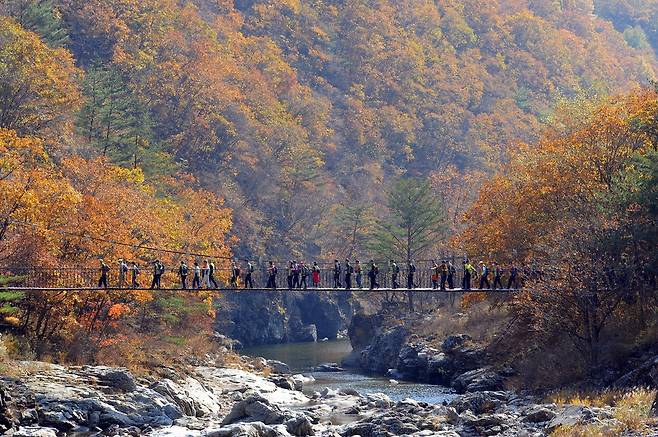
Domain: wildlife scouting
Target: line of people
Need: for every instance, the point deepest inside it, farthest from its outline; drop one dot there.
(203, 276)
(297, 275)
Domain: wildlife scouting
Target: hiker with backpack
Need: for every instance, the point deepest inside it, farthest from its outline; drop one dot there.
(469, 272)
(102, 281)
(452, 270)
(211, 275)
(134, 271)
(235, 274)
(316, 274)
(182, 274)
(205, 274)
(411, 272)
(248, 281)
(295, 274)
(372, 275)
(435, 275)
(358, 274)
(123, 270)
(196, 278)
(158, 270)
(498, 273)
(484, 276)
(395, 271)
(271, 276)
(303, 272)
(443, 274)
(348, 274)
(337, 271)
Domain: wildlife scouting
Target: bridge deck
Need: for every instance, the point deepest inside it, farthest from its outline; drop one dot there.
(249, 290)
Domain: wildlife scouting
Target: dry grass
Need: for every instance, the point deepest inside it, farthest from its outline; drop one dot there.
(584, 431)
(632, 411)
(480, 320)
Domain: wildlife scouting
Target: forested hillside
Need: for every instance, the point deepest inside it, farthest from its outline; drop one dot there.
(297, 115)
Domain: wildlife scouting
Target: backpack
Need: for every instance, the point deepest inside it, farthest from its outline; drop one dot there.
(350, 270)
(237, 271)
(183, 270)
(396, 269)
(412, 269)
(250, 269)
(124, 268)
(161, 268)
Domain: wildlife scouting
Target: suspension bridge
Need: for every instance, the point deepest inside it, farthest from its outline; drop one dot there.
(87, 279)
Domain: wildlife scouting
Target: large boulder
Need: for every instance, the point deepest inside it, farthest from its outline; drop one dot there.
(278, 367)
(484, 379)
(115, 378)
(255, 408)
(383, 352)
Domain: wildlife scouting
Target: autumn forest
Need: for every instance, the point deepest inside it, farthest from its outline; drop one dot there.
(263, 129)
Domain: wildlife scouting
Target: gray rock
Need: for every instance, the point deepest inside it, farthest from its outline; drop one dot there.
(300, 426)
(278, 367)
(35, 431)
(538, 414)
(571, 415)
(244, 430)
(117, 378)
(383, 351)
(255, 408)
(484, 379)
(452, 342)
(285, 382)
(480, 402)
(328, 367)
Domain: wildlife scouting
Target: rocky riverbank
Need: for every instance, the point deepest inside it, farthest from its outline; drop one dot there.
(458, 362)
(51, 400)
(273, 317)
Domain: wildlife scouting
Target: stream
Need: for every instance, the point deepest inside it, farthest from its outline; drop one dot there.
(302, 357)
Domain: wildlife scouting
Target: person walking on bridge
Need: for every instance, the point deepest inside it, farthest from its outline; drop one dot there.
(104, 269)
(303, 272)
(196, 279)
(484, 276)
(469, 272)
(337, 271)
(248, 281)
(434, 271)
(358, 274)
(123, 271)
(205, 274)
(452, 270)
(513, 275)
(235, 274)
(348, 275)
(134, 271)
(211, 275)
(395, 271)
(411, 272)
(295, 274)
(444, 273)
(182, 274)
(158, 270)
(497, 273)
(316, 274)
(372, 275)
(271, 276)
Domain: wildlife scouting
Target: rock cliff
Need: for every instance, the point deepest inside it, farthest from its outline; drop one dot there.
(271, 317)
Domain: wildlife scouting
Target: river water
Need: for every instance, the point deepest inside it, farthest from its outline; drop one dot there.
(302, 357)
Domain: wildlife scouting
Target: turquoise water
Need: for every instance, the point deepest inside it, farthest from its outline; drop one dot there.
(302, 357)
